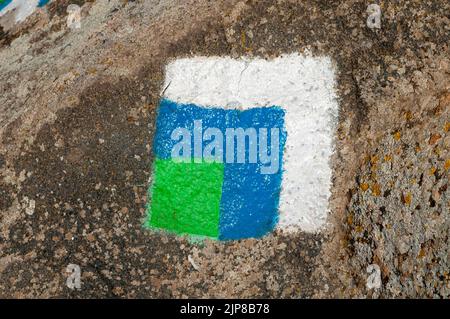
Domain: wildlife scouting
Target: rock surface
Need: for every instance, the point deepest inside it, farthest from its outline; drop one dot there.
(77, 111)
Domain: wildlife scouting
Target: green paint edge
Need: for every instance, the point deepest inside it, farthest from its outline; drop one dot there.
(193, 191)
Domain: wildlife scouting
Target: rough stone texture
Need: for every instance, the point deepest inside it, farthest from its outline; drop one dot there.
(77, 118)
(398, 215)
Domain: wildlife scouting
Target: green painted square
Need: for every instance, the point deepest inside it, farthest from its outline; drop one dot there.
(185, 197)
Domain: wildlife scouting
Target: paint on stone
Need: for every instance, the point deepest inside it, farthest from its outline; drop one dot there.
(4, 3)
(294, 92)
(186, 197)
(247, 200)
(21, 8)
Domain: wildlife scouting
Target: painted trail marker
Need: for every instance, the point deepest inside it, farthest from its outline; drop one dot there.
(243, 146)
(22, 8)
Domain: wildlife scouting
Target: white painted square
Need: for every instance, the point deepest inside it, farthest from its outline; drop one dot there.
(304, 87)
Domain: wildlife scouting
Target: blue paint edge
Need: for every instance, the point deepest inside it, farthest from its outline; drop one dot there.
(244, 212)
(43, 3)
(4, 4)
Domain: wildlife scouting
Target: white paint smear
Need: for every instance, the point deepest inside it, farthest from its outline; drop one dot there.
(23, 8)
(304, 87)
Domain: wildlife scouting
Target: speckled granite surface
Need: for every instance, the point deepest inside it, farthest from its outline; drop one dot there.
(77, 114)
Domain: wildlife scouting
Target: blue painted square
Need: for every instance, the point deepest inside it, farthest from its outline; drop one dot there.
(249, 202)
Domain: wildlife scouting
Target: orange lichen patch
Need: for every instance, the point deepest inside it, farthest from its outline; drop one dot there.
(447, 164)
(434, 138)
(408, 115)
(359, 229)
(374, 159)
(364, 187)
(376, 189)
(432, 170)
(350, 219)
(397, 136)
(421, 253)
(387, 158)
(406, 199)
(447, 127)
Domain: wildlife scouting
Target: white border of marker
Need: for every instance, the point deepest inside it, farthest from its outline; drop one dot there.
(23, 8)
(304, 86)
